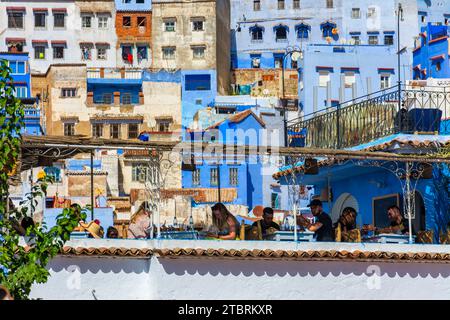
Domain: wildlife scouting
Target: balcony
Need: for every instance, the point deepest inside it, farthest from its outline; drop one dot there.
(113, 73)
(409, 110)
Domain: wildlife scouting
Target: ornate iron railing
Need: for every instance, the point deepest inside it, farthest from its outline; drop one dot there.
(421, 109)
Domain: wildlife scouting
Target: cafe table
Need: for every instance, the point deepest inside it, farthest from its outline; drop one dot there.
(388, 238)
(303, 236)
(186, 235)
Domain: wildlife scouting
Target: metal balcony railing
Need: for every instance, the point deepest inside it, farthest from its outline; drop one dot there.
(358, 121)
(113, 73)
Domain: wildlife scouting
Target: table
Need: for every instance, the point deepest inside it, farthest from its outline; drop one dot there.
(304, 236)
(388, 238)
(187, 235)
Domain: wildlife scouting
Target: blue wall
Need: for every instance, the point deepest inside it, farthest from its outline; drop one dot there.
(22, 79)
(194, 100)
(131, 5)
(325, 58)
(423, 55)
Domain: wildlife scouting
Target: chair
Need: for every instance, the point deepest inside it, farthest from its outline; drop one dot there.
(248, 232)
(347, 236)
(425, 236)
(444, 238)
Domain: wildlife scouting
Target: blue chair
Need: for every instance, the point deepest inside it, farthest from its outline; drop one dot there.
(425, 120)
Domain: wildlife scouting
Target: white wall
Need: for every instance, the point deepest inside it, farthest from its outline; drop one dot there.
(199, 278)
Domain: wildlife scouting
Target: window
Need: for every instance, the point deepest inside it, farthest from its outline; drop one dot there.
(133, 130)
(86, 21)
(142, 22)
(59, 20)
(356, 13)
(107, 98)
(126, 98)
(101, 53)
(53, 172)
(17, 67)
(141, 172)
(86, 53)
(356, 40)
(278, 60)
(280, 4)
(349, 79)
(371, 12)
(102, 22)
(329, 4)
(139, 1)
(373, 40)
(142, 53)
(303, 31)
(68, 92)
(127, 54)
(20, 92)
(256, 5)
(213, 177)
(163, 125)
(15, 20)
(58, 52)
(126, 1)
(438, 66)
(233, 176)
(196, 82)
(126, 21)
(169, 26)
(275, 201)
(97, 130)
(197, 25)
(196, 177)
(69, 129)
(39, 52)
(296, 4)
(388, 40)
(168, 53)
(256, 61)
(39, 19)
(324, 78)
(385, 81)
(446, 21)
(114, 131)
(257, 34)
(422, 19)
(281, 33)
(198, 52)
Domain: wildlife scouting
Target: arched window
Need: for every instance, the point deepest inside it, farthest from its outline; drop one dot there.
(302, 30)
(256, 32)
(281, 32)
(327, 29)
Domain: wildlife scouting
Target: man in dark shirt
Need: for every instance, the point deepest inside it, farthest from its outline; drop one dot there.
(398, 224)
(267, 221)
(323, 227)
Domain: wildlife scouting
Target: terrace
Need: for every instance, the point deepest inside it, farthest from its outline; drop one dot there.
(412, 109)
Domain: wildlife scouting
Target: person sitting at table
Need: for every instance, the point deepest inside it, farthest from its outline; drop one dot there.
(323, 227)
(267, 224)
(345, 228)
(223, 220)
(398, 224)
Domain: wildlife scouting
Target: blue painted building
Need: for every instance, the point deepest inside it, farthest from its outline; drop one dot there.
(21, 79)
(433, 11)
(235, 172)
(332, 74)
(198, 90)
(431, 55)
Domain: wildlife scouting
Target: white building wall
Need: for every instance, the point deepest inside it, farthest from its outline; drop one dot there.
(49, 33)
(199, 278)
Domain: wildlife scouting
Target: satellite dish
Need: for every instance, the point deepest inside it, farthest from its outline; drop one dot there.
(295, 55)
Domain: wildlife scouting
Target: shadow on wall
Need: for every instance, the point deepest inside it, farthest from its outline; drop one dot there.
(263, 268)
(97, 264)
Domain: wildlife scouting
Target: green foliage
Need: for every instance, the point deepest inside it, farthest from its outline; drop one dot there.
(23, 260)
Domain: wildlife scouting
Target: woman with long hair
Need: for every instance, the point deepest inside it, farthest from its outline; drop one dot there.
(224, 221)
(345, 228)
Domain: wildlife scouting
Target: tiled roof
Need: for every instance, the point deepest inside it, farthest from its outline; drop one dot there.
(238, 117)
(263, 254)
